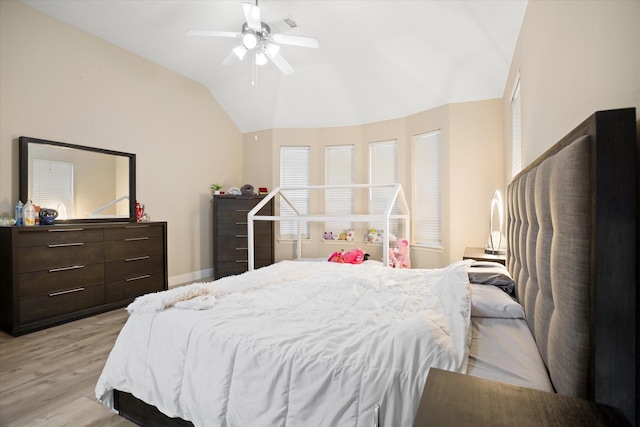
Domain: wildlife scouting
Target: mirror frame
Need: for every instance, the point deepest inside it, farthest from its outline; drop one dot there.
(23, 188)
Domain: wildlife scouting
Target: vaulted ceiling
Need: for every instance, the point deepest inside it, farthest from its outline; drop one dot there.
(377, 59)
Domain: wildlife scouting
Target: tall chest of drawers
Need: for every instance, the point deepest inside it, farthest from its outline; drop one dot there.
(230, 241)
(54, 274)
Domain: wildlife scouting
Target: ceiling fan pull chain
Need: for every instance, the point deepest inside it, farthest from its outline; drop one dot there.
(254, 71)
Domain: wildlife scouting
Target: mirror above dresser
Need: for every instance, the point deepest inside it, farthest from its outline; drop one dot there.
(81, 183)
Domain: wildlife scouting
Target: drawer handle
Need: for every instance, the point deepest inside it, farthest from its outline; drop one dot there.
(64, 245)
(242, 249)
(69, 291)
(133, 239)
(73, 267)
(140, 258)
(56, 230)
(136, 226)
(242, 261)
(241, 223)
(243, 210)
(131, 279)
(241, 235)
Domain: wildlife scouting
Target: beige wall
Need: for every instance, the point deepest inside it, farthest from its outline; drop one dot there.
(472, 171)
(62, 84)
(574, 58)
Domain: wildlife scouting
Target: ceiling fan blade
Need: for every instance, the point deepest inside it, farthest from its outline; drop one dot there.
(295, 40)
(230, 59)
(213, 33)
(280, 62)
(252, 16)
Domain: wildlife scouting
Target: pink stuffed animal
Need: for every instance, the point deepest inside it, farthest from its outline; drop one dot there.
(354, 256)
(399, 255)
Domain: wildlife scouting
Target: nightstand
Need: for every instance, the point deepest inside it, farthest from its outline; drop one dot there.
(452, 399)
(479, 255)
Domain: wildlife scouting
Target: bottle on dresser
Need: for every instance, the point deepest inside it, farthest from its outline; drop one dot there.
(19, 208)
(29, 214)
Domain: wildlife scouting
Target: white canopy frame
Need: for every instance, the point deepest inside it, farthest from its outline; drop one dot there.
(397, 198)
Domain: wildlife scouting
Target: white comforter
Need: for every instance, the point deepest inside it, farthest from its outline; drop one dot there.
(298, 344)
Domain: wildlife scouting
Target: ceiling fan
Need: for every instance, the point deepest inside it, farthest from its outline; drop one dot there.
(256, 37)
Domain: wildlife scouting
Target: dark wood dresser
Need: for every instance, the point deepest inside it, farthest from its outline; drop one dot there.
(230, 243)
(54, 274)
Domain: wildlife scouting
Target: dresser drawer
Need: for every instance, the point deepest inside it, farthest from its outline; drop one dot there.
(239, 216)
(135, 286)
(230, 268)
(59, 279)
(233, 254)
(59, 255)
(59, 236)
(241, 204)
(133, 267)
(240, 230)
(238, 244)
(133, 247)
(133, 231)
(59, 303)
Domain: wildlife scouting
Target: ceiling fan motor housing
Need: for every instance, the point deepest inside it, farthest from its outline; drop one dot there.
(252, 38)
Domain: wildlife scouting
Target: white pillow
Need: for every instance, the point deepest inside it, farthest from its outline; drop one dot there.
(490, 301)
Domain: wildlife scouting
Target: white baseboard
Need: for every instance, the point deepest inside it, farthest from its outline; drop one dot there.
(191, 277)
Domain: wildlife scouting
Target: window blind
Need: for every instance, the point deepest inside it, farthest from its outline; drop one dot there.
(58, 191)
(427, 210)
(383, 170)
(339, 170)
(294, 172)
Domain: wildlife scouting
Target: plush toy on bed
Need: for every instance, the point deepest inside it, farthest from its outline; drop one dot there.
(399, 255)
(354, 256)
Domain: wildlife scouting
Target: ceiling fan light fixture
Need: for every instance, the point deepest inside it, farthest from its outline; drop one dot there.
(273, 49)
(249, 39)
(261, 59)
(240, 51)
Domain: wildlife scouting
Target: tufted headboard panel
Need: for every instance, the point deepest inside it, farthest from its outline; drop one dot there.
(549, 237)
(572, 235)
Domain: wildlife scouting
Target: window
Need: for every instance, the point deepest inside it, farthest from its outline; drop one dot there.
(58, 191)
(294, 172)
(339, 170)
(427, 210)
(516, 130)
(383, 170)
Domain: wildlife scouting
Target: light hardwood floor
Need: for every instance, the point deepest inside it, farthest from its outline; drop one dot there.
(47, 378)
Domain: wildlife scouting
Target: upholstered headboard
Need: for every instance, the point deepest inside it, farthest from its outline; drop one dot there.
(572, 233)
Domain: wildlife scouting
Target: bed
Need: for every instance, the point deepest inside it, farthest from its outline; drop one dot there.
(573, 238)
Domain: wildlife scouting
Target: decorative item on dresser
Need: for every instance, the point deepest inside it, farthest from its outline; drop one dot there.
(54, 274)
(230, 241)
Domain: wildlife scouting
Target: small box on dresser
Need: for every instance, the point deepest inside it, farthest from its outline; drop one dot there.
(54, 274)
(230, 241)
